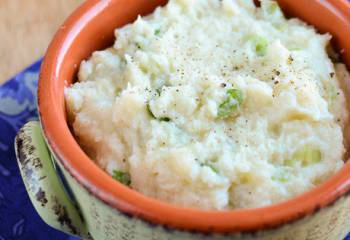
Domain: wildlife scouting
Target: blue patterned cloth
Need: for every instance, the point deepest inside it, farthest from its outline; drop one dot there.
(18, 219)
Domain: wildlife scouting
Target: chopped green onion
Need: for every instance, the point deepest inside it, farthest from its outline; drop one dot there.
(122, 177)
(233, 100)
(163, 119)
(260, 44)
(331, 92)
(153, 76)
(294, 48)
(280, 178)
(272, 7)
(245, 177)
(214, 169)
(281, 27)
(159, 91)
(290, 162)
(281, 175)
(157, 32)
(236, 94)
(308, 155)
(138, 45)
(150, 111)
(118, 91)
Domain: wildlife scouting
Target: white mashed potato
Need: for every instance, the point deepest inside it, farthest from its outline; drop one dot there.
(214, 105)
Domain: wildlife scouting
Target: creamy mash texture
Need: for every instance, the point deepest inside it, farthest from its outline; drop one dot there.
(214, 105)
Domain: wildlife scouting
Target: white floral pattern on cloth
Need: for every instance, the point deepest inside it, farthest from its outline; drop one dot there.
(18, 219)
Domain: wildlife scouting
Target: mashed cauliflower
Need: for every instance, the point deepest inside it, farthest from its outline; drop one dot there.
(214, 105)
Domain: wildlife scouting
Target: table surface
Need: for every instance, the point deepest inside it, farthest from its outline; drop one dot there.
(26, 28)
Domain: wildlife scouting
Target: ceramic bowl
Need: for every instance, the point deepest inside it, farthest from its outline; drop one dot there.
(85, 201)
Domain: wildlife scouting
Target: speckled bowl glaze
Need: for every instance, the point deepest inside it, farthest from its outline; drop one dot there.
(85, 201)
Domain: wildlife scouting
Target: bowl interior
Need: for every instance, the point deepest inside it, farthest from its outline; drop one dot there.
(91, 28)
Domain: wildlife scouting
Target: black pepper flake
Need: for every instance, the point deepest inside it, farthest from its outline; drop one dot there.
(332, 74)
(276, 82)
(338, 93)
(223, 85)
(278, 73)
(290, 59)
(338, 120)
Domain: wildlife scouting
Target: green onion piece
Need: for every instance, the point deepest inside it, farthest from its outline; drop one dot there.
(214, 169)
(157, 32)
(122, 177)
(280, 178)
(117, 92)
(294, 49)
(260, 44)
(233, 100)
(159, 90)
(138, 45)
(331, 92)
(272, 7)
(163, 119)
(245, 178)
(281, 175)
(308, 155)
(281, 27)
(150, 111)
(290, 162)
(236, 94)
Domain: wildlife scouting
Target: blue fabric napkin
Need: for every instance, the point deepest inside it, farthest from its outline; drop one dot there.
(18, 218)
